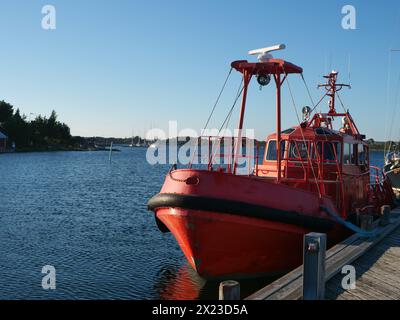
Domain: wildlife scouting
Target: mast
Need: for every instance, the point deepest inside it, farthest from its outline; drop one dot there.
(278, 125)
(332, 87)
(246, 80)
(264, 69)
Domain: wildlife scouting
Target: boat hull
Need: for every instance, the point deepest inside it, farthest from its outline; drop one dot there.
(221, 245)
(234, 226)
(393, 175)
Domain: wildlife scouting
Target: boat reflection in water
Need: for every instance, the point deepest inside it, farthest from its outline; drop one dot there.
(183, 283)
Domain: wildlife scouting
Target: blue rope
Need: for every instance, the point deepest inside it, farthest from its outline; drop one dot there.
(349, 225)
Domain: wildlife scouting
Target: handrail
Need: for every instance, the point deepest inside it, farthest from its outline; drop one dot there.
(215, 154)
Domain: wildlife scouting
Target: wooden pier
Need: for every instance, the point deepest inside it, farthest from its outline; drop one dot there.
(378, 273)
(375, 260)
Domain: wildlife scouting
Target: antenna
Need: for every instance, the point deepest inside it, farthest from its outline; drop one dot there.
(263, 53)
(348, 66)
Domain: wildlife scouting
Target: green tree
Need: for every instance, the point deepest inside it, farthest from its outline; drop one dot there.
(41, 133)
(18, 129)
(6, 111)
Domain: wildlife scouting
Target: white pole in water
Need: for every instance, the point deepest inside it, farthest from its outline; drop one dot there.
(110, 154)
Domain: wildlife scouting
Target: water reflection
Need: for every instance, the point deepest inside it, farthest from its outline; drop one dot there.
(183, 283)
(178, 283)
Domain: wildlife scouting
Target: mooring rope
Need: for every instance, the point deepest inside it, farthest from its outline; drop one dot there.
(218, 98)
(211, 114)
(341, 102)
(228, 117)
(349, 225)
(309, 94)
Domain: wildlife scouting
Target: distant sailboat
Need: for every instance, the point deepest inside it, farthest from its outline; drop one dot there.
(132, 145)
(154, 144)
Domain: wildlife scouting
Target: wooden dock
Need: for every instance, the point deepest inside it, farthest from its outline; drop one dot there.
(378, 273)
(375, 260)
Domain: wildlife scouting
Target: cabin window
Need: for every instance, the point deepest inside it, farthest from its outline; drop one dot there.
(346, 153)
(299, 150)
(271, 151)
(288, 131)
(323, 131)
(366, 155)
(349, 153)
(331, 151)
(361, 154)
(354, 154)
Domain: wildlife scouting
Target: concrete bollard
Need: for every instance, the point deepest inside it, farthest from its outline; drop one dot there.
(366, 221)
(229, 290)
(385, 215)
(314, 252)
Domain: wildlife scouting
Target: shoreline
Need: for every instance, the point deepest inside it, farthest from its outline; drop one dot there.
(59, 150)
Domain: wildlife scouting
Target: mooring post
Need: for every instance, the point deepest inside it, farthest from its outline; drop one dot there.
(366, 221)
(385, 215)
(314, 252)
(229, 290)
(110, 154)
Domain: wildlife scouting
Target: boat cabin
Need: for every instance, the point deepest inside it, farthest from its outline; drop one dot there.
(319, 159)
(313, 155)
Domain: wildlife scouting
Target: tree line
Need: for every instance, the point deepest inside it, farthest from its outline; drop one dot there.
(40, 133)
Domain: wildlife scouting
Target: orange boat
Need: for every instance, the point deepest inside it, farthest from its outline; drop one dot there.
(311, 178)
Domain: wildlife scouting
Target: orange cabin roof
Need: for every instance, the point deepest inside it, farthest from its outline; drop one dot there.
(314, 133)
(273, 66)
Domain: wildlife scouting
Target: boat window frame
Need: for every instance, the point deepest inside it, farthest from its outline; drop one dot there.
(364, 166)
(310, 147)
(339, 152)
(353, 158)
(283, 150)
(366, 152)
(360, 163)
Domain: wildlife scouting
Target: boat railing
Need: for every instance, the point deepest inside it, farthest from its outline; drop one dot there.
(376, 175)
(218, 154)
(312, 166)
(309, 168)
(376, 178)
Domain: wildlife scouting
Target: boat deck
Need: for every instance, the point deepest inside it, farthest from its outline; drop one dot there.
(376, 261)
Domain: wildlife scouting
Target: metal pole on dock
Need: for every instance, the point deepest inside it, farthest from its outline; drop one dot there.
(385, 215)
(229, 290)
(314, 252)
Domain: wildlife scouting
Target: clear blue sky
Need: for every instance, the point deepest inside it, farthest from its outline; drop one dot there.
(114, 66)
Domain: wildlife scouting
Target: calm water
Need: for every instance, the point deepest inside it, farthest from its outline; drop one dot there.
(88, 218)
